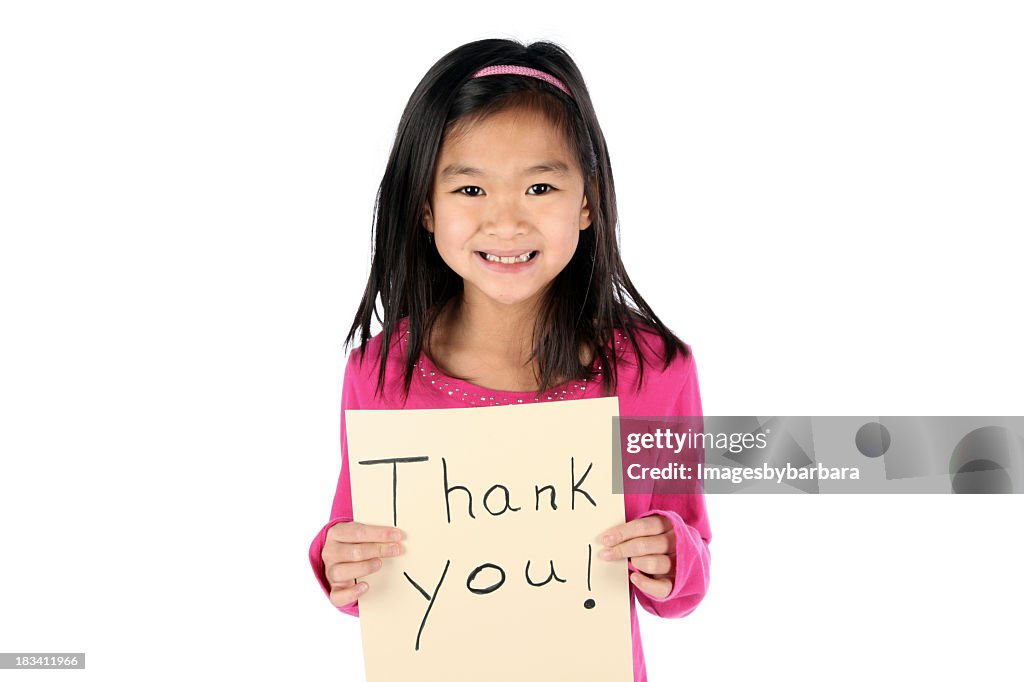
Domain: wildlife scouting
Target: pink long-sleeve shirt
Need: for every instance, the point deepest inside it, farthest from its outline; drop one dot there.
(666, 392)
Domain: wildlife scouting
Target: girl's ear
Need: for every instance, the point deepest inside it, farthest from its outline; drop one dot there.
(585, 220)
(428, 218)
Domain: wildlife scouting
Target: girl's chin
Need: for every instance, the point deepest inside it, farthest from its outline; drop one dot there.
(503, 297)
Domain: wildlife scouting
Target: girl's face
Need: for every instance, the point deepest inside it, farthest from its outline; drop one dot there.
(507, 187)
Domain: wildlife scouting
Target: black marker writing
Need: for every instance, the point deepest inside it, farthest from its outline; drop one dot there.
(497, 500)
(505, 505)
(489, 588)
(508, 502)
(536, 495)
(448, 490)
(576, 484)
(428, 597)
(477, 576)
(551, 575)
(394, 462)
(589, 603)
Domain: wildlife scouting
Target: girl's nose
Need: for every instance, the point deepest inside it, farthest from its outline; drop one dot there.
(505, 218)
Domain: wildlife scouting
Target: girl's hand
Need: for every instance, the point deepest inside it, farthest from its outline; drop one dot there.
(354, 550)
(650, 545)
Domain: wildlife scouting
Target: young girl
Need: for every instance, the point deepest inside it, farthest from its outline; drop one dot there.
(500, 282)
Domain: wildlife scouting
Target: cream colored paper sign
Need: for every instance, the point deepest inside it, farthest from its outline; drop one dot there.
(500, 579)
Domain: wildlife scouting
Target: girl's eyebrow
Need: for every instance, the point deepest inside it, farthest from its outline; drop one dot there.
(455, 169)
(556, 167)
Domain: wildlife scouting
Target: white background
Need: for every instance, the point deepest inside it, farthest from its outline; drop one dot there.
(824, 199)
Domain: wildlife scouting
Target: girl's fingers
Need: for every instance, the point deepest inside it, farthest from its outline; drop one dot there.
(656, 587)
(343, 574)
(642, 546)
(655, 524)
(353, 531)
(654, 564)
(348, 551)
(340, 596)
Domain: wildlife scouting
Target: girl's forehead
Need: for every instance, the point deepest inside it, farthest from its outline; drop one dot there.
(502, 137)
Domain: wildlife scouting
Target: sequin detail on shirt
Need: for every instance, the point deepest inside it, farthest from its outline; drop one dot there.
(435, 379)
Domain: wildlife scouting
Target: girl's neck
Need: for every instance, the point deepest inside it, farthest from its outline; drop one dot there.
(497, 335)
(489, 345)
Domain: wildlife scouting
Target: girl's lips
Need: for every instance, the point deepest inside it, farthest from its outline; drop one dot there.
(495, 266)
(507, 252)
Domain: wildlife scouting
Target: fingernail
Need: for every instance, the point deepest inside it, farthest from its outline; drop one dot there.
(608, 540)
(606, 554)
(396, 535)
(376, 564)
(361, 587)
(393, 550)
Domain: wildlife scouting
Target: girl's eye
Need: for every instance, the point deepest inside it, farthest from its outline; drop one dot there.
(471, 191)
(540, 188)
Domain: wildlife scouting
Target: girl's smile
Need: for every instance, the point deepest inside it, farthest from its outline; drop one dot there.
(496, 261)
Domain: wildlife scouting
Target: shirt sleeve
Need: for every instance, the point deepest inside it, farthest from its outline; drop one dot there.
(688, 516)
(341, 509)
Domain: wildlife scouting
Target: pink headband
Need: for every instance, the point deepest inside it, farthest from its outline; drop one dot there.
(522, 71)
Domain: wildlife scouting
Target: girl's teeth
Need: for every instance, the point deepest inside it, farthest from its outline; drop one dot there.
(509, 259)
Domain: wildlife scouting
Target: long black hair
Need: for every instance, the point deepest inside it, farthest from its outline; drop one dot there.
(585, 303)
